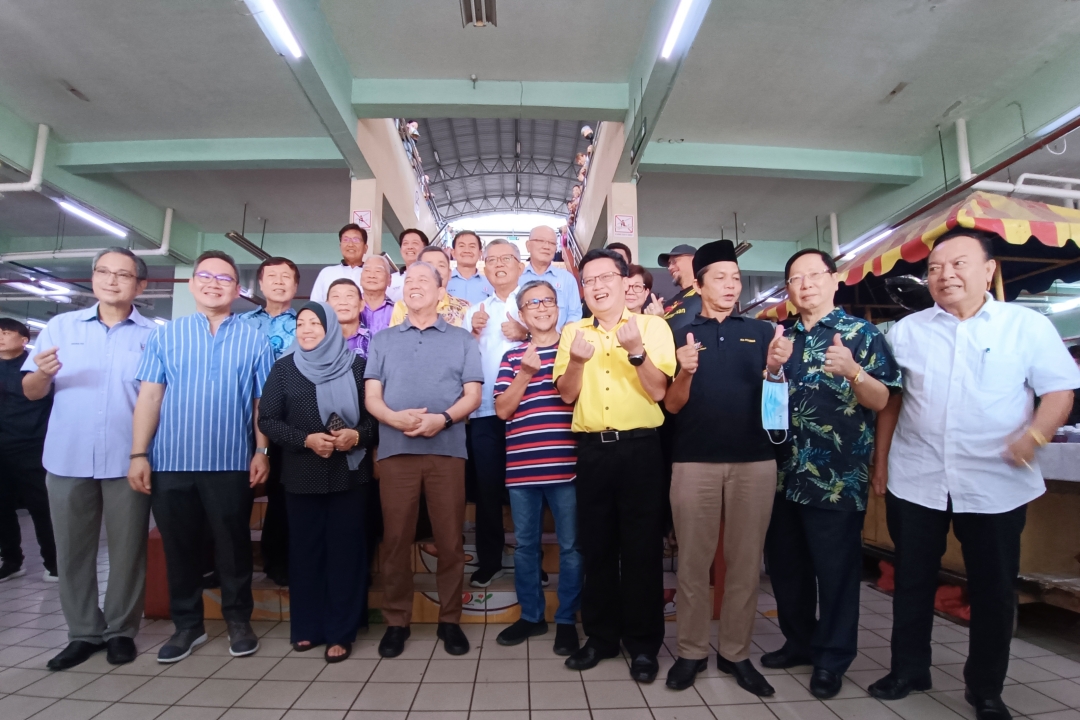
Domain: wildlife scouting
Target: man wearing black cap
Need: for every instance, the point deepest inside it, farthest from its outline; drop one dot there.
(722, 360)
(686, 304)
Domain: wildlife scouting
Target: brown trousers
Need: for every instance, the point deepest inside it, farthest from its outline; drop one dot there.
(701, 495)
(442, 480)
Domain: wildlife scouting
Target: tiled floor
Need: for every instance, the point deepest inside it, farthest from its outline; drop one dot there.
(490, 682)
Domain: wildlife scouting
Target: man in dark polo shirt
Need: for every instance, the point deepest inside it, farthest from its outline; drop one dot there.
(686, 304)
(422, 380)
(724, 466)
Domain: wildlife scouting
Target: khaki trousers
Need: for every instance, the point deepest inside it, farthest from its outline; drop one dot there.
(701, 495)
(442, 480)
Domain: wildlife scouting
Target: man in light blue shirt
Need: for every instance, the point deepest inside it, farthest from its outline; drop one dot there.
(202, 376)
(90, 357)
(542, 245)
(466, 282)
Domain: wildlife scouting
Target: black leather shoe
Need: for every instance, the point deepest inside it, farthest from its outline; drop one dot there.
(121, 650)
(393, 641)
(683, 673)
(76, 653)
(783, 659)
(453, 639)
(987, 708)
(566, 639)
(588, 657)
(643, 668)
(825, 684)
(894, 687)
(521, 631)
(746, 675)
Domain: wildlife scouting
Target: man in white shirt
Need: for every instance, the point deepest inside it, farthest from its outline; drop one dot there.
(494, 323)
(353, 241)
(412, 242)
(959, 446)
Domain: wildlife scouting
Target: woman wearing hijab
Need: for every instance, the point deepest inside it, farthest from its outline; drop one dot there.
(313, 406)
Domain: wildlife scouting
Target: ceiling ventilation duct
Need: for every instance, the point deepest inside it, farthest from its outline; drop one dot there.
(478, 13)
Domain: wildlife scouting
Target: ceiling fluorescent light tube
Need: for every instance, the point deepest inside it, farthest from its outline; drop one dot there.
(39, 324)
(859, 248)
(275, 28)
(33, 289)
(54, 287)
(93, 219)
(1059, 123)
(676, 28)
(1063, 306)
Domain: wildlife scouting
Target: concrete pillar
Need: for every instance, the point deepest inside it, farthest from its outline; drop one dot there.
(183, 302)
(622, 219)
(365, 209)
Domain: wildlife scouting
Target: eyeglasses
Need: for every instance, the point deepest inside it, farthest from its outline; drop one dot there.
(501, 260)
(353, 240)
(604, 278)
(637, 288)
(814, 277)
(206, 277)
(545, 243)
(535, 303)
(122, 276)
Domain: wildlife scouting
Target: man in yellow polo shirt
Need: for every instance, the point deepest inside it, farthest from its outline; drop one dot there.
(616, 367)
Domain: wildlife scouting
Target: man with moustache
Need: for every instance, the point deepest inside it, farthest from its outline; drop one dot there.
(353, 241)
(959, 448)
(616, 366)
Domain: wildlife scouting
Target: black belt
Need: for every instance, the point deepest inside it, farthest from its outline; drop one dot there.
(610, 436)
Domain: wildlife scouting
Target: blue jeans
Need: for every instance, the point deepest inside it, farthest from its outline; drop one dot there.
(527, 506)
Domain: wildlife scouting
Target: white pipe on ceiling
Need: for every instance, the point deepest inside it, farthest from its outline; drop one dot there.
(962, 149)
(835, 235)
(1019, 187)
(36, 170)
(162, 250)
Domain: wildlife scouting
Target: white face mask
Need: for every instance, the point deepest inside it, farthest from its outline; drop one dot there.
(774, 406)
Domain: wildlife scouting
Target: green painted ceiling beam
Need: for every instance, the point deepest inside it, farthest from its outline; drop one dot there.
(376, 98)
(226, 154)
(781, 162)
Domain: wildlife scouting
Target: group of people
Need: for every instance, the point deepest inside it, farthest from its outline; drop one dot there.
(637, 410)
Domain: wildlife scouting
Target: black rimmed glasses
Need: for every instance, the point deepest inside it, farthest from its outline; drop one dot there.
(535, 303)
(207, 277)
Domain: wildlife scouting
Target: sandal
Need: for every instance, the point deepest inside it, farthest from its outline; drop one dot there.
(302, 648)
(338, 658)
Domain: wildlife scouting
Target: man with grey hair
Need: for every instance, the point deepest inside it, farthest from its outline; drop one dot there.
(495, 325)
(88, 358)
(451, 309)
(422, 449)
(376, 309)
(542, 246)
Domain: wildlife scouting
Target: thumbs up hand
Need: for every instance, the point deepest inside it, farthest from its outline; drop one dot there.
(687, 355)
(479, 320)
(839, 360)
(581, 350)
(514, 330)
(779, 352)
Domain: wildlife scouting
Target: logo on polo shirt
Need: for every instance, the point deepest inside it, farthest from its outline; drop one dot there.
(749, 340)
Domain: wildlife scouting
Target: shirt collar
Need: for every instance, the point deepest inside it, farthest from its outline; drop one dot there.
(830, 321)
(439, 325)
(550, 270)
(386, 301)
(700, 319)
(988, 308)
(625, 316)
(91, 313)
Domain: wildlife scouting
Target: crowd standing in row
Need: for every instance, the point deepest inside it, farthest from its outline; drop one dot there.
(428, 369)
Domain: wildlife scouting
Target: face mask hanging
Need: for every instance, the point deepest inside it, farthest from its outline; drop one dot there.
(774, 408)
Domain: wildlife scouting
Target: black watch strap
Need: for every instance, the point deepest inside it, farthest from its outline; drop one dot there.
(449, 420)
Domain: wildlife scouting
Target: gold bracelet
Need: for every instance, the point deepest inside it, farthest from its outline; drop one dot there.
(1039, 438)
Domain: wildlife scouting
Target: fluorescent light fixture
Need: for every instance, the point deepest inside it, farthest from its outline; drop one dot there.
(93, 219)
(54, 287)
(773, 300)
(1059, 123)
(160, 321)
(50, 291)
(29, 346)
(676, 28)
(275, 28)
(862, 246)
(1066, 305)
(35, 323)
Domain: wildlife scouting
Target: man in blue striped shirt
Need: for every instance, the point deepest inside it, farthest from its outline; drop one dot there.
(542, 246)
(202, 376)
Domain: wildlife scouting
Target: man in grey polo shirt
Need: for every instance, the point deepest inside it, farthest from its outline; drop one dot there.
(423, 379)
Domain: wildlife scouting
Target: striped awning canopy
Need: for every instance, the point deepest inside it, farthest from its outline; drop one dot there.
(1015, 220)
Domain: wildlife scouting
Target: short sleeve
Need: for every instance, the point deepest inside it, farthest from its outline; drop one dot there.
(507, 373)
(562, 356)
(466, 322)
(877, 358)
(44, 342)
(374, 369)
(320, 288)
(152, 362)
(573, 313)
(659, 344)
(263, 362)
(473, 370)
(1050, 368)
(399, 313)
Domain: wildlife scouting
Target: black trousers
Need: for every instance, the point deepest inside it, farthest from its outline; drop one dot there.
(22, 478)
(275, 529)
(487, 447)
(329, 566)
(991, 548)
(620, 496)
(814, 557)
(179, 501)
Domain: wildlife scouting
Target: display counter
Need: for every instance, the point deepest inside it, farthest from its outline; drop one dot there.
(1049, 546)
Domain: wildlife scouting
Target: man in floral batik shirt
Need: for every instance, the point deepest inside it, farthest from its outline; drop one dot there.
(841, 372)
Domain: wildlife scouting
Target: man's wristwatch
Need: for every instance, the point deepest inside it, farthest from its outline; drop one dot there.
(637, 360)
(449, 420)
(263, 451)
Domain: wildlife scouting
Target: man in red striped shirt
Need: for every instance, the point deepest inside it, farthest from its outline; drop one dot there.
(541, 459)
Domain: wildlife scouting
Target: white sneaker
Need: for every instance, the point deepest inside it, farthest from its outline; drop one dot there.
(50, 576)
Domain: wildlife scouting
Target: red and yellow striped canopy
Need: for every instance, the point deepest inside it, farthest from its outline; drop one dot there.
(1014, 219)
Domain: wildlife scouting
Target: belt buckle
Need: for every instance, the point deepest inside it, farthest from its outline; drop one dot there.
(609, 436)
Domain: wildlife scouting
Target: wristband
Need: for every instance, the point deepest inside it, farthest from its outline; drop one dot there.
(1039, 438)
(138, 455)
